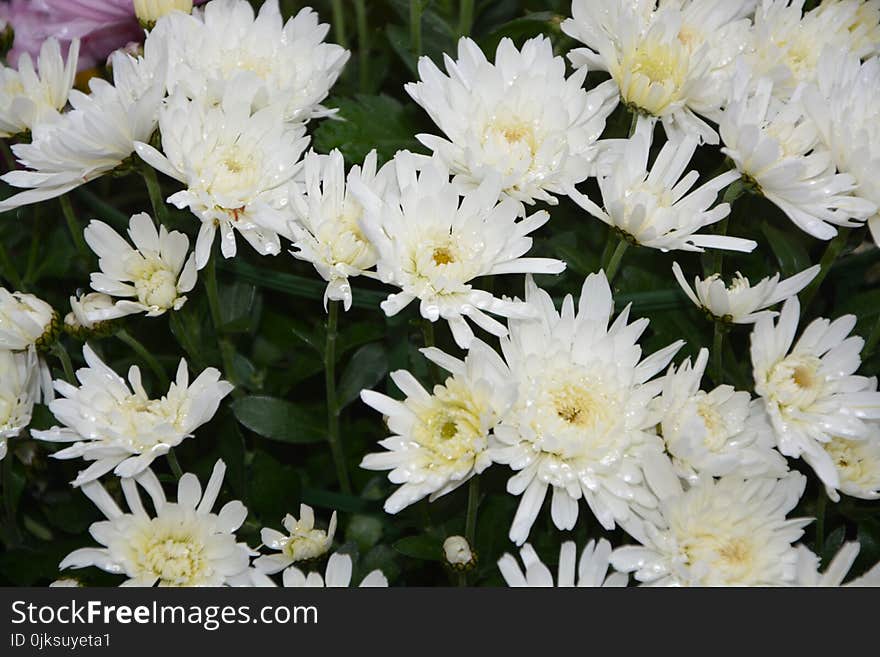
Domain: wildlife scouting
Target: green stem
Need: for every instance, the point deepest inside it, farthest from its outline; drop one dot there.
(10, 273)
(227, 351)
(9, 502)
(717, 353)
(633, 124)
(613, 263)
(718, 258)
(73, 225)
(135, 345)
(333, 409)
(465, 17)
(832, 251)
(470, 526)
(339, 23)
(428, 339)
(360, 9)
(415, 26)
(820, 522)
(175, 464)
(59, 350)
(34, 249)
(160, 210)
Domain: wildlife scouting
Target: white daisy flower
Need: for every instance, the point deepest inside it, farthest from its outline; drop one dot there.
(669, 64)
(810, 390)
(224, 45)
(845, 106)
(89, 311)
(809, 563)
(336, 575)
(19, 390)
(724, 532)
(303, 541)
(432, 244)
(655, 208)
(581, 424)
(777, 150)
(97, 135)
(31, 96)
(118, 426)
(714, 433)
(592, 567)
(857, 463)
(184, 544)
(519, 119)
(326, 228)
(236, 166)
(740, 302)
(440, 439)
(25, 321)
(156, 274)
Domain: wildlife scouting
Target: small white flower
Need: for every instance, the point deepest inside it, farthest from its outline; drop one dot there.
(810, 390)
(156, 273)
(25, 321)
(457, 551)
(326, 228)
(302, 543)
(97, 135)
(337, 575)
(184, 544)
(65, 582)
(581, 424)
(724, 532)
(519, 118)
(440, 440)
(28, 96)
(714, 433)
(237, 167)
(592, 568)
(149, 11)
(89, 311)
(19, 390)
(433, 244)
(118, 426)
(224, 45)
(741, 302)
(777, 150)
(654, 208)
(857, 463)
(808, 569)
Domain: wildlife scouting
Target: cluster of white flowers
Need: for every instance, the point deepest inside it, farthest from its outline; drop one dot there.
(221, 100)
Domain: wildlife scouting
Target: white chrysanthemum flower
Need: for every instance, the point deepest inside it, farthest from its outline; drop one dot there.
(519, 119)
(336, 575)
(741, 302)
(237, 167)
(788, 46)
(19, 390)
(184, 544)
(89, 311)
(155, 274)
(440, 440)
(28, 96)
(777, 149)
(808, 569)
(25, 321)
(432, 244)
(714, 433)
(724, 532)
(149, 11)
(118, 426)
(592, 567)
(655, 208)
(671, 64)
(303, 541)
(97, 135)
(857, 463)
(845, 106)
(326, 227)
(224, 45)
(582, 423)
(810, 390)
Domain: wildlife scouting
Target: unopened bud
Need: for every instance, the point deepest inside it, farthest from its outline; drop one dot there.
(458, 553)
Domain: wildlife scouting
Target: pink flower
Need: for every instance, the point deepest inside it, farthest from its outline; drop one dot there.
(101, 25)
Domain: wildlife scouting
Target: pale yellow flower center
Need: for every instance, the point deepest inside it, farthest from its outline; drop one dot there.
(306, 544)
(796, 381)
(156, 285)
(173, 554)
(449, 428)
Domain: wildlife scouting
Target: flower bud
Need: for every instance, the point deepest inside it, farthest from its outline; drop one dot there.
(458, 554)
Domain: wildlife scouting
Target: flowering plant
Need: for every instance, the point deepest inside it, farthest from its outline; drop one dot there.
(583, 296)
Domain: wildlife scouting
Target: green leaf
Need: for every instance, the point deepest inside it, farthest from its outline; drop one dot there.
(792, 256)
(278, 419)
(368, 122)
(278, 492)
(239, 307)
(428, 548)
(366, 368)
